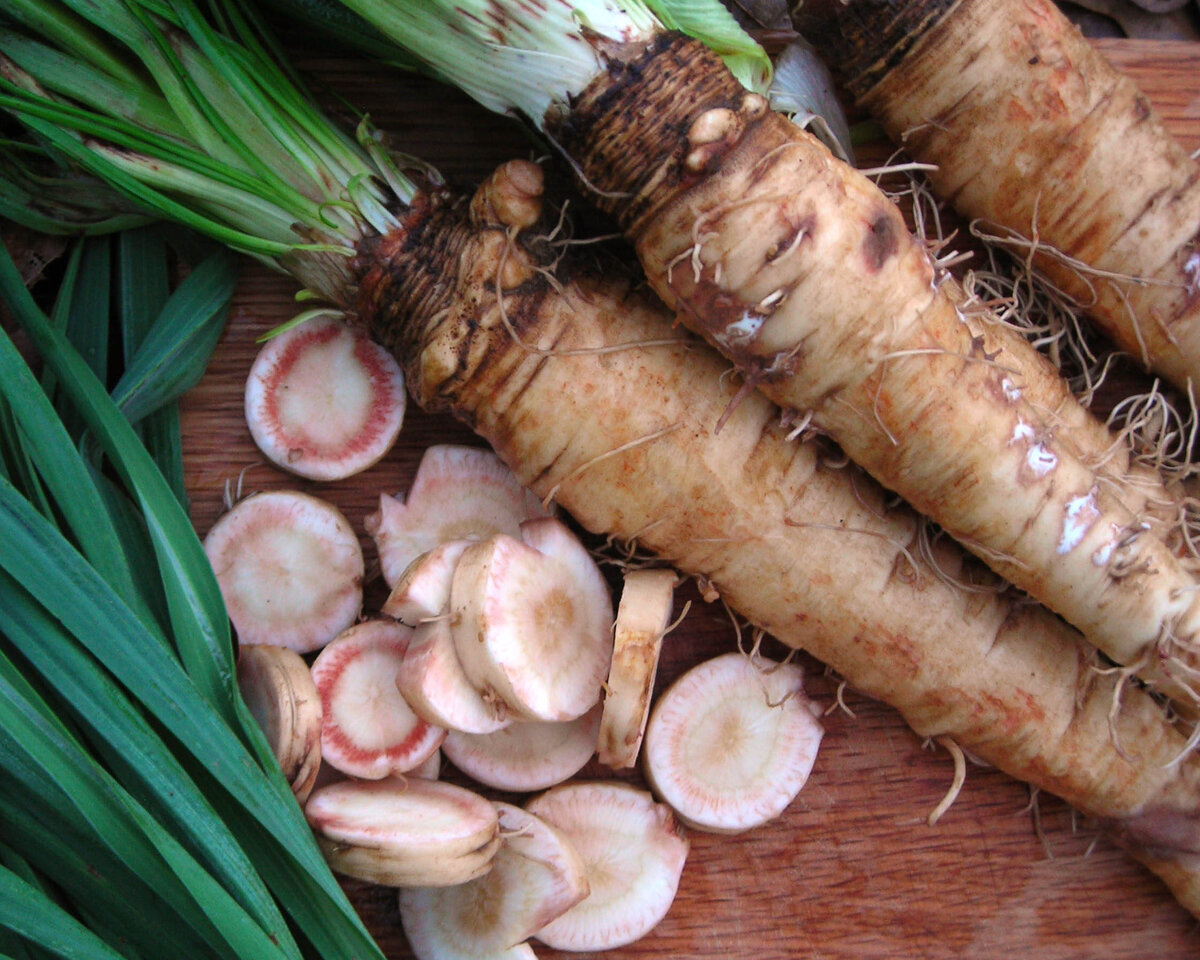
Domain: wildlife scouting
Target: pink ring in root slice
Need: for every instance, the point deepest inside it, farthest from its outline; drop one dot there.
(731, 742)
(324, 401)
(289, 567)
(369, 731)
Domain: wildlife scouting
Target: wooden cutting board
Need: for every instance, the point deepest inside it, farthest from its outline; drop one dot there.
(852, 870)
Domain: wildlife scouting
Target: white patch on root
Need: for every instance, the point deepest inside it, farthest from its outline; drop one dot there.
(1103, 555)
(1192, 268)
(1082, 513)
(1038, 458)
(745, 328)
(1022, 431)
(1041, 460)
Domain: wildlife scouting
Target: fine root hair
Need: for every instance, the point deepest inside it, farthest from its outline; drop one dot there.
(956, 784)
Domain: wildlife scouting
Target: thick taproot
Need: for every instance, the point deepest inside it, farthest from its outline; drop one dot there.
(1036, 134)
(559, 379)
(803, 273)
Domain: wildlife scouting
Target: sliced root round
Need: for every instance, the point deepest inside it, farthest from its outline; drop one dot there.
(404, 831)
(731, 742)
(369, 730)
(643, 615)
(633, 850)
(289, 567)
(433, 682)
(536, 876)
(423, 590)
(324, 401)
(457, 493)
(533, 623)
(527, 755)
(278, 688)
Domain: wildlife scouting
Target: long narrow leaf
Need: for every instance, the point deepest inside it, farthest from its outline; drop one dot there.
(37, 756)
(43, 214)
(45, 120)
(87, 327)
(143, 290)
(62, 470)
(143, 286)
(88, 322)
(15, 462)
(164, 441)
(72, 34)
(45, 566)
(157, 778)
(29, 913)
(11, 945)
(66, 75)
(89, 875)
(62, 309)
(175, 350)
(198, 616)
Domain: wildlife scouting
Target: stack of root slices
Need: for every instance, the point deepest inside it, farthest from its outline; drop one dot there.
(497, 649)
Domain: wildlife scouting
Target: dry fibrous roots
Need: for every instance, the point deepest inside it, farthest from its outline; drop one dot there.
(804, 274)
(1032, 130)
(760, 517)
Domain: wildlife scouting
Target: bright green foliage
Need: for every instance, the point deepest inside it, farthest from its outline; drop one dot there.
(141, 800)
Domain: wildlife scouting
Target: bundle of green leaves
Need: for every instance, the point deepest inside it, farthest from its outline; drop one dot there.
(140, 806)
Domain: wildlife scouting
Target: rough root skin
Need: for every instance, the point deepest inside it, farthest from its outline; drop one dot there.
(1008, 682)
(404, 272)
(627, 165)
(866, 38)
(804, 274)
(1106, 201)
(446, 265)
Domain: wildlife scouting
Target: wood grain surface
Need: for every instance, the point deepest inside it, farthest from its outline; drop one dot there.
(852, 870)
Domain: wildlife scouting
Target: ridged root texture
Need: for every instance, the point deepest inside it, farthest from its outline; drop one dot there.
(1036, 134)
(621, 433)
(803, 273)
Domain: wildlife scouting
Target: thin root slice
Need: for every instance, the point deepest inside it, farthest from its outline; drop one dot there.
(278, 688)
(532, 622)
(431, 677)
(432, 680)
(528, 755)
(536, 876)
(402, 832)
(731, 742)
(457, 493)
(423, 590)
(324, 401)
(290, 569)
(369, 730)
(633, 850)
(643, 615)
(428, 769)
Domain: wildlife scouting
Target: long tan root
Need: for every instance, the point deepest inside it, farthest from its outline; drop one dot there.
(599, 458)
